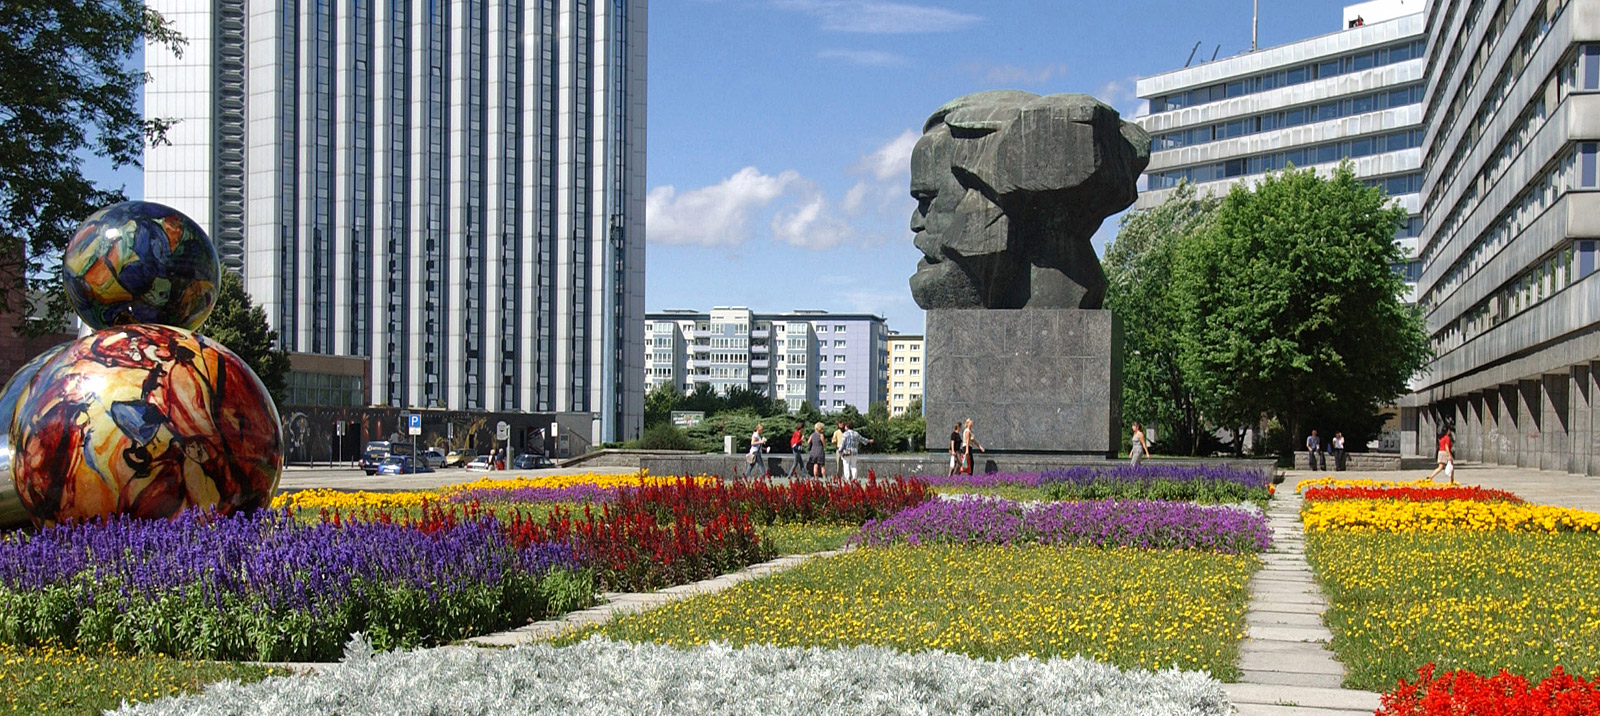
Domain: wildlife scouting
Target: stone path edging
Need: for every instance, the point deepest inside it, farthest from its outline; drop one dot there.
(1286, 668)
(618, 602)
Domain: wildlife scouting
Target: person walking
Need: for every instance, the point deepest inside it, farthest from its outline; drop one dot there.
(1446, 457)
(1314, 452)
(1338, 451)
(838, 445)
(955, 449)
(797, 445)
(816, 451)
(752, 460)
(968, 442)
(850, 449)
(1140, 448)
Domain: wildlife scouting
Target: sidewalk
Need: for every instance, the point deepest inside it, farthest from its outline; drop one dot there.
(1544, 487)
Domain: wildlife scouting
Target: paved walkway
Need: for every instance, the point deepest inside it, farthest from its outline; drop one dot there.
(1286, 667)
(1544, 487)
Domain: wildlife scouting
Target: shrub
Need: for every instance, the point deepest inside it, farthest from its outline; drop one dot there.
(665, 436)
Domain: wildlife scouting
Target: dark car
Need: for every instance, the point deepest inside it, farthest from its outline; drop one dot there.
(403, 465)
(531, 461)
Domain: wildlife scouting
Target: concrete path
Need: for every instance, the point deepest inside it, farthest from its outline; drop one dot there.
(617, 603)
(1286, 667)
(1544, 487)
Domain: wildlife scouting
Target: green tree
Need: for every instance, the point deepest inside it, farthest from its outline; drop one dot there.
(659, 404)
(910, 427)
(1140, 290)
(65, 91)
(808, 415)
(704, 399)
(1291, 307)
(241, 325)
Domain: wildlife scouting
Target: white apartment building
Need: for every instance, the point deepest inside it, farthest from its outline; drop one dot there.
(453, 189)
(827, 359)
(905, 372)
(1352, 94)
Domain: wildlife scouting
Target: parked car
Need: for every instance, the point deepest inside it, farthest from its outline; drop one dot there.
(458, 458)
(403, 465)
(531, 461)
(480, 462)
(379, 450)
(434, 457)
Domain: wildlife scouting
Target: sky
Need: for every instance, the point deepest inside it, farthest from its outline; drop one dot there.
(780, 131)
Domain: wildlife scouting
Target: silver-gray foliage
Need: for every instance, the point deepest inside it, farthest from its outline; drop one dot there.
(605, 677)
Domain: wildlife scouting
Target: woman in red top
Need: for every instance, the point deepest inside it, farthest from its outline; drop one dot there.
(797, 446)
(1446, 457)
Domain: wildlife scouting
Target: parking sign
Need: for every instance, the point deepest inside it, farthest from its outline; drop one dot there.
(414, 424)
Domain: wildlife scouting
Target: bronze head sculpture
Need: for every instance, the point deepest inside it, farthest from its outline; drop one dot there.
(1010, 186)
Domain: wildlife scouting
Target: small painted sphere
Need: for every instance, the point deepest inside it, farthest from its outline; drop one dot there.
(141, 262)
(144, 420)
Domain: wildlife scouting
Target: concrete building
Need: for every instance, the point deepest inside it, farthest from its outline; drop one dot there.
(905, 372)
(1509, 252)
(828, 359)
(1352, 94)
(453, 190)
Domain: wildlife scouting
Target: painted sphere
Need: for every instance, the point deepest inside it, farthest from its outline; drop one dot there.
(141, 262)
(11, 512)
(144, 420)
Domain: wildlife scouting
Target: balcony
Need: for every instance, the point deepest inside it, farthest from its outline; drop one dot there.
(759, 348)
(699, 363)
(760, 363)
(758, 378)
(761, 333)
(700, 348)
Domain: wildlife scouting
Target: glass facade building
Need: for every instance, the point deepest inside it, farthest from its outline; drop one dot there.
(453, 189)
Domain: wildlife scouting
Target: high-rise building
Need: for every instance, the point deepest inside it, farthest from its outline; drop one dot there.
(1512, 216)
(905, 372)
(828, 359)
(454, 190)
(1352, 94)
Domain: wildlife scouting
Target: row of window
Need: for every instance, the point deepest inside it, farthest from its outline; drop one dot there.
(1557, 271)
(1331, 67)
(902, 359)
(1300, 157)
(1293, 117)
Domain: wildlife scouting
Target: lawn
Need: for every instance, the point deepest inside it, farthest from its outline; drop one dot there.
(1127, 607)
(804, 539)
(52, 681)
(1019, 493)
(1476, 600)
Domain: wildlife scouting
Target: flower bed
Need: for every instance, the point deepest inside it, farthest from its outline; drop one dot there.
(584, 487)
(1469, 493)
(1128, 607)
(1463, 692)
(268, 587)
(56, 681)
(1309, 483)
(1208, 483)
(605, 677)
(1480, 601)
(1131, 523)
(800, 501)
(1397, 516)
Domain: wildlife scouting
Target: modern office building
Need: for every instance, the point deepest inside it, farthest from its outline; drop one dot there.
(827, 359)
(453, 190)
(1512, 217)
(905, 372)
(1352, 94)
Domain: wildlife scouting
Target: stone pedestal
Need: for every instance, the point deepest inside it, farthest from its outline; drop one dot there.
(1039, 380)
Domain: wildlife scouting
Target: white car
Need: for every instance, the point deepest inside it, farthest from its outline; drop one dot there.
(480, 462)
(434, 458)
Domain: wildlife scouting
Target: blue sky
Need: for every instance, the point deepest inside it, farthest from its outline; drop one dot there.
(780, 130)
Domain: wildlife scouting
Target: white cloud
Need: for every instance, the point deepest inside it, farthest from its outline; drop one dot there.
(1122, 95)
(1016, 74)
(891, 160)
(872, 16)
(812, 223)
(716, 215)
(869, 58)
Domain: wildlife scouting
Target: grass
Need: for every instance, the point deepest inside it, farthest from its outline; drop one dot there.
(1132, 608)
(806, 538)
(54, 681)
(1010, 492)
(1481, 601)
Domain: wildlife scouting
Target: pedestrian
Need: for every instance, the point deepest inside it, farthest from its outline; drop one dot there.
(849, 450)
(838, 445)
(1140, 447)
(1446, 457)
(955, 449)
(797, 445)
(753, 461)
(968, 442)
(1314, 452)
(1338, 451)
(815, 451)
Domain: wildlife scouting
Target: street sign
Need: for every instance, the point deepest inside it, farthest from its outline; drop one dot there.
(450, 431)
(338, 428)
(502, 431)
(414, 423)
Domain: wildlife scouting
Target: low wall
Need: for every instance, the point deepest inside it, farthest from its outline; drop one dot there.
(1366, 461)
(914, 464)
(612, 457)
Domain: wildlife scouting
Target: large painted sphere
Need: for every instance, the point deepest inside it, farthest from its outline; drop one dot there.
(144, 420)
(141, 262)
(11, 512)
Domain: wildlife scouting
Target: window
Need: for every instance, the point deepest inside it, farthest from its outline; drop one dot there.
(899, 384)
(916, 384)
(837, 328)
(838, 389)
(838, 344)
(899, 359)
(916, 359)
(915, 371)
(822, 329)
(899, 371)
(838, 403)
(838, 374)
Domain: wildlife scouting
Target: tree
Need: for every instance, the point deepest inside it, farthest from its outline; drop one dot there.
(808, 415)
(241, 325)
(1291, 308)
(65, 91)
(659, 404)
(1140, 289)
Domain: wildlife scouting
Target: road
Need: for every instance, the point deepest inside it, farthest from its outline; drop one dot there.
(299, 477)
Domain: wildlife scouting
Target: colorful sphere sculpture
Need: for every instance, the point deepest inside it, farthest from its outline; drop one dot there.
(141, 262)
(11, 511)
(144, 420)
